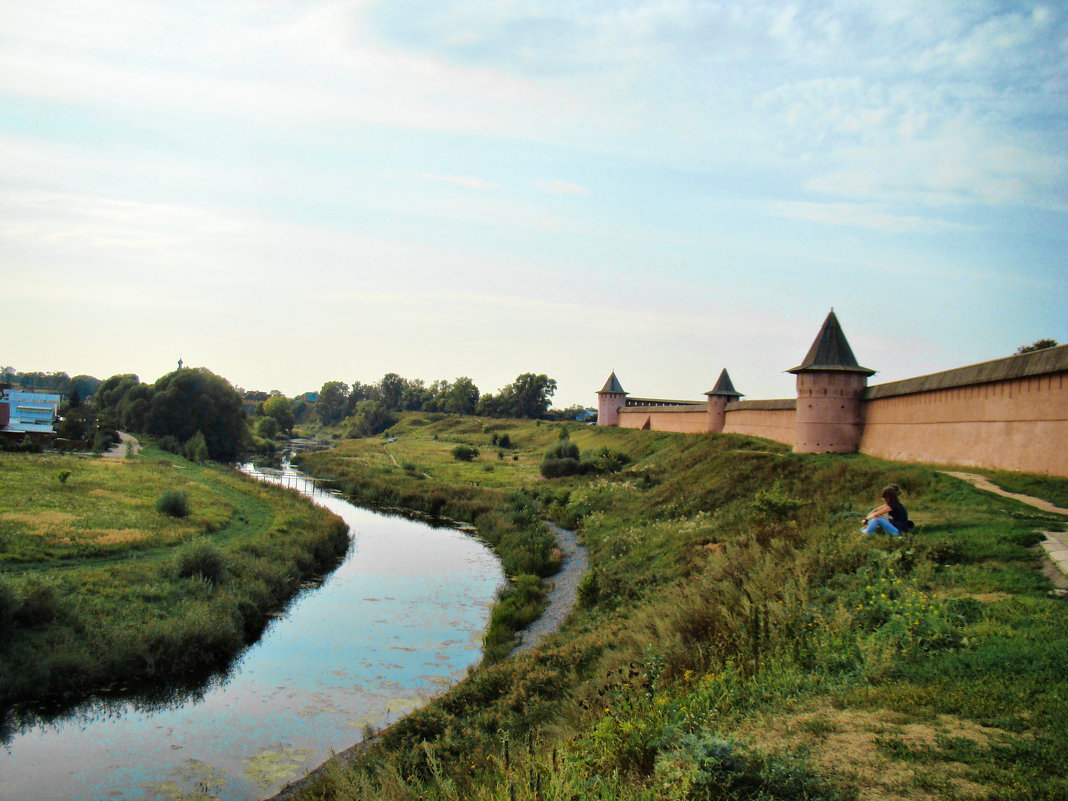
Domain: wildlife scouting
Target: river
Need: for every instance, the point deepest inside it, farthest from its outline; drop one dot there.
(399, 620)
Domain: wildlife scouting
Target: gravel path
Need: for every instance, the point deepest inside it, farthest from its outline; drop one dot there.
(564, 592)
(119, 451)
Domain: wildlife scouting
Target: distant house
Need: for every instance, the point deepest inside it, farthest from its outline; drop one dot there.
(28, 414)
(311, 397)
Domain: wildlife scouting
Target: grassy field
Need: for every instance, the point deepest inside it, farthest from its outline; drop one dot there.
(99, 589)
(737, 637)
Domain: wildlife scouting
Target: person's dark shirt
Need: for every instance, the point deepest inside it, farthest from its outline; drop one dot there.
(899, 517)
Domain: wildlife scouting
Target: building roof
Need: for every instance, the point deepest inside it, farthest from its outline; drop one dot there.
(612, 385)
(724, 386)
(30, 411)
(1024, 365)
(830, 351)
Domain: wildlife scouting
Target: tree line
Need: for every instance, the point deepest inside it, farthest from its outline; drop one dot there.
(369, 406)
(82, 386)
(200, 413)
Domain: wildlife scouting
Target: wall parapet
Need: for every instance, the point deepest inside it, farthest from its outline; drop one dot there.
(1025, 365)
(781, 405)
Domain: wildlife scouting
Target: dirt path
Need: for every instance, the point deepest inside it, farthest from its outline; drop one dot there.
(984, 483)
(119, 451)
(1056, 544)
(562, 596)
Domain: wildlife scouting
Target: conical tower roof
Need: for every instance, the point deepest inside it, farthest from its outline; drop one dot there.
(612, 385)
(724, 386)
(830, 351)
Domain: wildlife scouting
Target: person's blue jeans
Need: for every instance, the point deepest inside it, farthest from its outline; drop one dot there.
(877, 523)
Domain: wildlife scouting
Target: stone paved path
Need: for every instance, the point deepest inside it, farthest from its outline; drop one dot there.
(1056, 544)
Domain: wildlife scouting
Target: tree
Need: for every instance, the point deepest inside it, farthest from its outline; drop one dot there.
(462, 396)
(267, 427)
(333, 401)
(416, 397)
(280, 408)
(490, 405)
(391, 390)
(195, 401)
(1038, 344)
(370, 417)
(529, 396)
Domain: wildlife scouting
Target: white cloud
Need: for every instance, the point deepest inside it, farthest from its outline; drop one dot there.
(856, 215)
(561, 188)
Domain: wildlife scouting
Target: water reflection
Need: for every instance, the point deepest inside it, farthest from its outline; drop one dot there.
(398, 620)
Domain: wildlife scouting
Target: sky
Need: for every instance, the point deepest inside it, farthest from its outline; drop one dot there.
(289, 192)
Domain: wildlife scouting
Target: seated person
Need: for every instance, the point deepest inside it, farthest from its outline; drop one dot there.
(897, 517)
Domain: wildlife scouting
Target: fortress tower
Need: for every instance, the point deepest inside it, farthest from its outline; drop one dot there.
(718, 398)
(609, 399)
(830, 388)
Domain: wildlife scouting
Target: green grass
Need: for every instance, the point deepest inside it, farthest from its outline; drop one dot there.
(737, 638)
(105, 591)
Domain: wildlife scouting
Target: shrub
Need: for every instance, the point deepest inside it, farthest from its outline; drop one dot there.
(63, 476)
(170, 443)
(266, 427)
(562, 459)
(174, 503)
(464, 453)
(201, 558)
(195, 448)
(9, 606)
(555, 468)
(605, 460)
(39, 603)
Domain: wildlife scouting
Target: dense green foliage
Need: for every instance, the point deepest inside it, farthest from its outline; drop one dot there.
(737, 638)
(188, 403)
(99, 589)
(80, 386)
(372, 407)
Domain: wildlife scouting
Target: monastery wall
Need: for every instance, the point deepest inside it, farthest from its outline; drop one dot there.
(682, 419)
(1005, 414)
(1014, 424)
(774, 419)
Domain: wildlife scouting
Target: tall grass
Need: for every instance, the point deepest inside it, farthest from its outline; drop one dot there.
(736, 631)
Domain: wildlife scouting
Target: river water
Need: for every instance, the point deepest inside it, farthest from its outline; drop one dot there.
(398, 621)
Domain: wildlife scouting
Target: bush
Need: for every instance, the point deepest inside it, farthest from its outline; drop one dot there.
(174, 503)
(464, 453)
(9, 606)
(170, 443)
(195, 448)
(39, 603)
(201, 558)
(562, 459)
(266, 427)
(555, 468)
(605, 460)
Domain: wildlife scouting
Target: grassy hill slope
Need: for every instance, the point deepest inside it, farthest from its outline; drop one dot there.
(737, 636)
(99, 589)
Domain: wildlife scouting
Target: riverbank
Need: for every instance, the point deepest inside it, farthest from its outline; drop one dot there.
(736, 637)
(101, 590)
